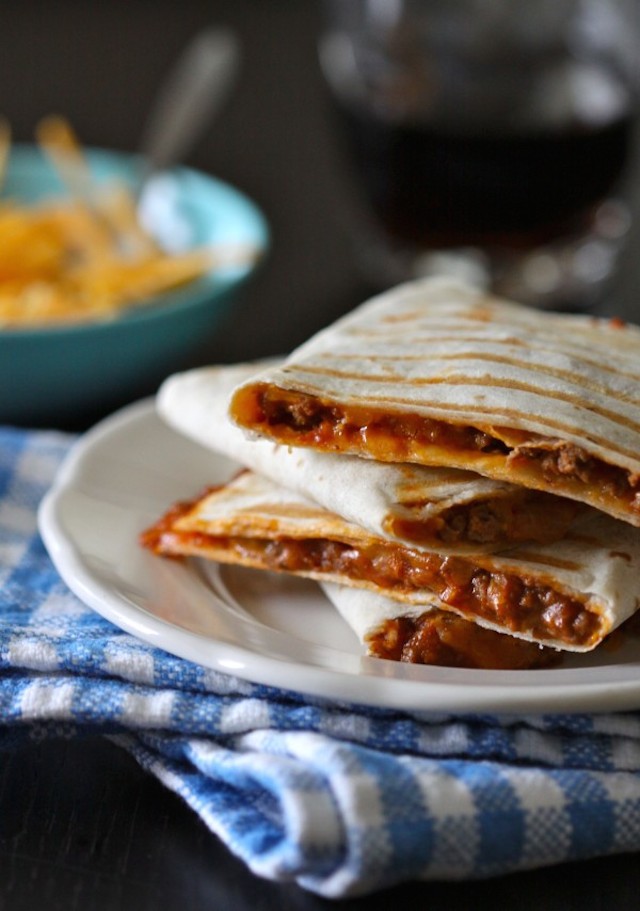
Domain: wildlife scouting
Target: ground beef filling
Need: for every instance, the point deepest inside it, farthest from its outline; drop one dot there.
(555, 459)
(506, 520)
(307, 420)
(442, 638)
(520, 604)
(477, 523)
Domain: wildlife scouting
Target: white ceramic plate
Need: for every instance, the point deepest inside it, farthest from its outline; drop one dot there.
(122, 475)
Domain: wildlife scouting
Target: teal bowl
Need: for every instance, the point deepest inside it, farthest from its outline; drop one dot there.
(56, 376)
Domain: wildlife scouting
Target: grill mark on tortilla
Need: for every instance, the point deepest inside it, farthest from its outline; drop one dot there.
(620, 554)
(503, 382)
(496, 382)
(529, 365)
(551, 371)
(279, 510)
(463, 315)
(540, 559)
(485, 356)
(578, 352)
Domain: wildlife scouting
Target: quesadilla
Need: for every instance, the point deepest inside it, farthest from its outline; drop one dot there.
(437, 373)
(427, 634)
(442, 508)
(568, 595)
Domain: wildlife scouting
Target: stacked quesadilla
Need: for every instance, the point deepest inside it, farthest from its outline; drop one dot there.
(459, 471)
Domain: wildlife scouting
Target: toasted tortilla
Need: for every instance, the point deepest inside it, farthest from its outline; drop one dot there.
(429, 634)
(449, 510)
(568, 595)
(437, 373)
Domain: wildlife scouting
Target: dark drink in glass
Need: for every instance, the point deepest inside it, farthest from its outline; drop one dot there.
(501, 141)
(430, 188)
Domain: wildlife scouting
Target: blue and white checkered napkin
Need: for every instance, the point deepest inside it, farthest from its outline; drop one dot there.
(340, 799)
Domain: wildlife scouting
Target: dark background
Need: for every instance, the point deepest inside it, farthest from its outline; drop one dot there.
(81, 827)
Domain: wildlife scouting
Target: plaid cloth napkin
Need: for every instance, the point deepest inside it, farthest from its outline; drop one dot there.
(341, 799)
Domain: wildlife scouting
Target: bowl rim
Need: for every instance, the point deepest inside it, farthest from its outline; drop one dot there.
(178, 299)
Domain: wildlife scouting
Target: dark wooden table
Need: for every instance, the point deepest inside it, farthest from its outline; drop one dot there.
(81, 826)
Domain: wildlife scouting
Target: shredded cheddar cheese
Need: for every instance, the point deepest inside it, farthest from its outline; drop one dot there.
(84, 256)
(60, 263)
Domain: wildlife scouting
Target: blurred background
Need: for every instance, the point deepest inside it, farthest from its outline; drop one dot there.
(99, 64)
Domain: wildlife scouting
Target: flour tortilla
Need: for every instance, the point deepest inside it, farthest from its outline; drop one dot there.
(451, 641)
(251, 521)
(544, 400)
(446, 509)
